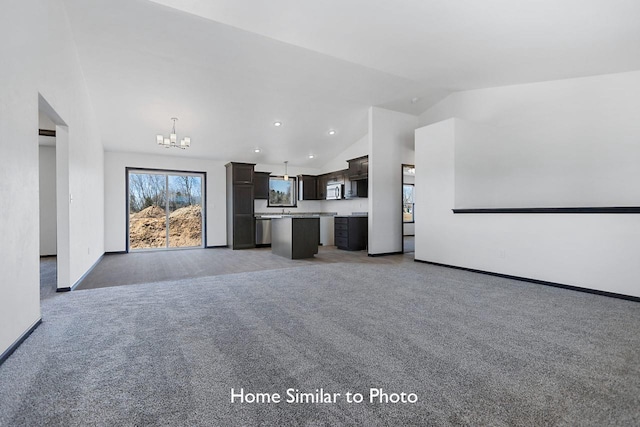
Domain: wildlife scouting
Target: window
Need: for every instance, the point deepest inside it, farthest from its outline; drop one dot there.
(282, 193)
(165, 209)
(408, 202)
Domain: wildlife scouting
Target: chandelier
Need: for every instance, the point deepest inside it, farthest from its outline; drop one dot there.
(173, 138)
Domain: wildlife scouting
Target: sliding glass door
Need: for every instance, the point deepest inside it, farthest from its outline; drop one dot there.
(185, 210)
(165, 209)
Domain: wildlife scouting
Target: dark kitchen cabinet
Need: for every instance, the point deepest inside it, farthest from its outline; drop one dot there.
(358, 168)
(261, 185)
(357, 188)
(308, 187)
(337, 176)
(240, 211)
(351, 232)
(363, 188)
(322, 186)
(242, 173)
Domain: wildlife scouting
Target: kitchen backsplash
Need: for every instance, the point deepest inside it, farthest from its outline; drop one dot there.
(342, 207)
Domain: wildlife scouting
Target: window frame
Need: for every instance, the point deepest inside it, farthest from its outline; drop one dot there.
(412, 204)
(294, 192)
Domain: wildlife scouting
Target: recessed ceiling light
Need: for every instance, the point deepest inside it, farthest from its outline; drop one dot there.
(311, 156)
(332, 132)
(277, 124)
(414, 100)
(256, 150)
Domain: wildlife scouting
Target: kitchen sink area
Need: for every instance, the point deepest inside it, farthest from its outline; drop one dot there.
(293, 215)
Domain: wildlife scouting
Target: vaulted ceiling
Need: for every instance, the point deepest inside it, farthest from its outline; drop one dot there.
(229, 69)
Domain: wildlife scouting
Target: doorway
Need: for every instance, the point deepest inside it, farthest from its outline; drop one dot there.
(54, 198)
(165, 209)
(408, 208)
(47, 199)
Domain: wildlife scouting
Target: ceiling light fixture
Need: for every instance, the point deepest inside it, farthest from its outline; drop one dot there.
(277, 124)
(311, 156)
(286, 175)
(173, 138)
(332, 132)
(414, 100)
(256, 150)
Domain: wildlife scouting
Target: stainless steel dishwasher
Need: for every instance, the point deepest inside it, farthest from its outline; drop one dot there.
(263, 232)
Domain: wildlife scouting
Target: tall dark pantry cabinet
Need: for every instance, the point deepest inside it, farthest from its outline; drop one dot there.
(240, 215)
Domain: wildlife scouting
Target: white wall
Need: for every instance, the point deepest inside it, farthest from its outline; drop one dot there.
(391, 143)
(561, 143)
(115, 164)
(339, 162)
(41, 58)
(587, 250)
(409, 229)
(47, 187)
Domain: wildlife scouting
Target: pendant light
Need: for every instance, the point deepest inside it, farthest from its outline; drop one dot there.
(286, 175)
(173, 139)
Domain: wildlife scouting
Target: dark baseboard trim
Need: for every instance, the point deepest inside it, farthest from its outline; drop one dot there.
(584, 210)
(264, 245)
(115, 253)
(86, 273)
(13, 347)
(386, 253)
(216, 247)
(48, 256)
(538, 282)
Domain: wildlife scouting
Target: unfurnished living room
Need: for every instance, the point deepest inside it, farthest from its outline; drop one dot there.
(366, 213)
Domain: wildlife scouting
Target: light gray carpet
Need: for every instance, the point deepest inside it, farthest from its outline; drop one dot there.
(477, 350)
(163, 265)
(48, 276)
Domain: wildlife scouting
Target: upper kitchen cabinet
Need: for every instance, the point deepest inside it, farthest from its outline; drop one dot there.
(242, 173)
(356, 188)
(322, 186)
(261, 185)
(337, 176)
(358, 168)
(308, 187)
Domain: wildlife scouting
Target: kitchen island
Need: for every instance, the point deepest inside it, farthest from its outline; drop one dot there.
(295, 237)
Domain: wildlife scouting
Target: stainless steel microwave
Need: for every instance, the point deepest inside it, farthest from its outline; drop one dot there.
(334, 191)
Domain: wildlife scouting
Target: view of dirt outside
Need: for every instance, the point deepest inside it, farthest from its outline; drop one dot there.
(148, 228)
(148, 196)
